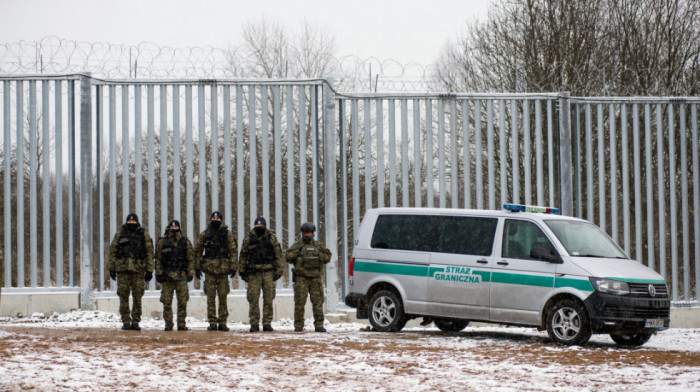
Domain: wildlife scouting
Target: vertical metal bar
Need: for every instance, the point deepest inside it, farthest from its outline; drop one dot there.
(550, 152)
(163, 160)
(239, 168)
(479, 156)
(613, 173)
(565, 156)
(355, 169)
(203, 213)
(113, 163)
(228, 215)
(503, 154)
(380, 150)
(490, 155)
(316, 160)
(515, 150)
(86, 184)
(672, 196)
(214, 146)
(467, 155)
(331, 205)
(7, 200)
(343, 188)
(417, 155)
(291, 186)
(405, 161)
(601, 168)
(303, 201)
(527, 160)
(660, 181)
(696, 195)
(253, 157)
(45, 184)
(539, 173)
(625, 180)
(649, 188)
(189, 166)
(685, 212)
(20, 184)
(429, 152)
(441, 153)
(454, 168)
(138, 152)
(277, 140)
(392, 150)
(71, 188)
(577, 161)
(33, 154)
(590, 208)
(150, 147)
(265, 135)
(177, 163)
(99, 148)
(125, 149)
(638, 253)
(367, 115)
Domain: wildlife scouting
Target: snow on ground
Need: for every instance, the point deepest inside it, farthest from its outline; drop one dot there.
(85, 350)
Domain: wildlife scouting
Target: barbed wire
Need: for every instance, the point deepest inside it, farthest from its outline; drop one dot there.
(55, 55)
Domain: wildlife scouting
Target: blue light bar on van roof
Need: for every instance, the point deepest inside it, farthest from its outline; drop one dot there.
(523, 207)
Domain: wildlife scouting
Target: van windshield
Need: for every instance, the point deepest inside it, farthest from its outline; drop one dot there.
(584, 239)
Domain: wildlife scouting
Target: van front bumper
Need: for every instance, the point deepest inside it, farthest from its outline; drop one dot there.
(625, 314)
(357, 301)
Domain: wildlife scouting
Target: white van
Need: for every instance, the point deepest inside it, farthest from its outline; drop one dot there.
(522, 266)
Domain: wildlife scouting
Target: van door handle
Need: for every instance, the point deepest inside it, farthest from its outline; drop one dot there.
(482, 261)
(502, 262)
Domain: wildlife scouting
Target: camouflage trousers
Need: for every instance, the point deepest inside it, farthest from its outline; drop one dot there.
(216, 284)
(167, 289)
(261, 281)
(130, 284)
(303, 287)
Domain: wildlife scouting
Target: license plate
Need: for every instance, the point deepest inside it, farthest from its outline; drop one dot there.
(654, 323)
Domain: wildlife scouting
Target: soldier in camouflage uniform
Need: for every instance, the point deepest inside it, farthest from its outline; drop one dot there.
(216, 254)
(308, 257)
(174, 268)
(131, 265)
(261, 266)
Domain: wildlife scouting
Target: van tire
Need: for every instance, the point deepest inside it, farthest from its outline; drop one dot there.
(568, 323)
(386, 312)
(630, 340)
(450, 325)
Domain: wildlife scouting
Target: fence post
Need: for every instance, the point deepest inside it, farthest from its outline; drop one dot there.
(565, 175)
(330, 189)
(86, 185)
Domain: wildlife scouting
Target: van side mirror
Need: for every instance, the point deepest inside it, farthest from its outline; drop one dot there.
(540, 253)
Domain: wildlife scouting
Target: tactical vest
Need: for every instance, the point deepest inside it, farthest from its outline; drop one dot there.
(260, 250)
(216, 244)
(132, 245)
(310, 260)
(174, 257)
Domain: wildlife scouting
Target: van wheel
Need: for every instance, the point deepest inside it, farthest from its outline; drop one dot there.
(630, 340)
(568, 323)
(386, 312)
(450, 325)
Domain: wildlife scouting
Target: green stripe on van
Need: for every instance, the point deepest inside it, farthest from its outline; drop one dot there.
(649, 281)
(580, 284)
(390, 268)
(526, 280)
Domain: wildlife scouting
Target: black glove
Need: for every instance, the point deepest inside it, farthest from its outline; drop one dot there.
(159, 278)
(148, 276)
(232, 273)
(276, 277)
(113, 274)
(189, 278)
(198, 274)
(244, 277)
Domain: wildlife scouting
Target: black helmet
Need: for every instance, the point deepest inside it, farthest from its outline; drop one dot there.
(174, 223)
(307, 227)
(260, 221)
(132, 216)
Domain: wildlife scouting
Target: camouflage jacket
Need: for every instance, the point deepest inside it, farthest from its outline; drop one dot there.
(248, 265)
(163, 270)
(218, 265)
(118, 262)
(294, 256)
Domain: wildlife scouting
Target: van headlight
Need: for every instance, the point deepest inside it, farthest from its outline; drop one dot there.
(610, 286)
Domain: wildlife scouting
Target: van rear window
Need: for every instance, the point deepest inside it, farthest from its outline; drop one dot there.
(444, 234)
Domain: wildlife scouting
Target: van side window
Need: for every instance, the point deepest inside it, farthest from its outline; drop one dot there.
(520, 237)
(405, 232)
(467, 235)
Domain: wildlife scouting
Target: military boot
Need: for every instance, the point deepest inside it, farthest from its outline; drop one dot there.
(298, 329)
(267, 328)
(254, 328)
(320, 329)
(168, 327)
(182, 327)
(135, 326)
(223, 327)
(126, 326)
(211, 327)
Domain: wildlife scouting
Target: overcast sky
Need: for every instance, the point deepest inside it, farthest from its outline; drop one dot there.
(404, 30)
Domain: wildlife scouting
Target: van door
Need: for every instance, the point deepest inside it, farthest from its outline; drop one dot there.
(460, 268)
(520, 283)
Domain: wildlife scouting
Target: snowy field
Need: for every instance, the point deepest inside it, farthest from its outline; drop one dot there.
(83, 351)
